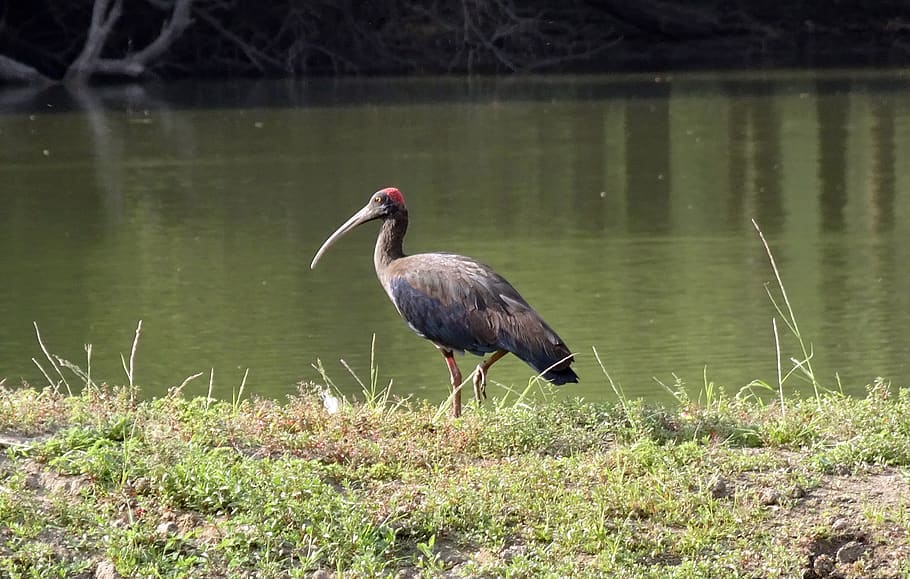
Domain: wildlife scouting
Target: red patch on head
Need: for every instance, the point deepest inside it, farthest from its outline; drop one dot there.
(393, 194)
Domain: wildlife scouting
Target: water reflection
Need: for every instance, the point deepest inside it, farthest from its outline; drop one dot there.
(648, 178)
(834, 117)
(883, 178)
(620, 208)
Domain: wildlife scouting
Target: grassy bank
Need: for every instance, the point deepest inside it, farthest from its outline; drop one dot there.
(101, 484)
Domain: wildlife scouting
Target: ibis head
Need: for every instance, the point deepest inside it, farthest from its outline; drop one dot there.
(383, 204)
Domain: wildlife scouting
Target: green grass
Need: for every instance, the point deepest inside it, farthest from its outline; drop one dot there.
(190, 487)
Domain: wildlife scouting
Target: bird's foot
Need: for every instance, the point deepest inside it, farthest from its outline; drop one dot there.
(480, 383)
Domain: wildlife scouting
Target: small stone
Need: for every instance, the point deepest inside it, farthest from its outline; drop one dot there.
(286, 549)
(769, 497)
(187, 522)
(210, 535)
(141, 485)
(850, 552)
(513, 551)
(823, 565)
(719, 488)
(106, 570)
(166, 529)
(840, 525)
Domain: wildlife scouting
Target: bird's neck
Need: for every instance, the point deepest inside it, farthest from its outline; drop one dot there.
(389, 242)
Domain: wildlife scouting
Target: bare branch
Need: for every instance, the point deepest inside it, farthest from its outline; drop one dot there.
(15, 71)
(255, 56)
(179, 21)
(104, 16)
(118, 66)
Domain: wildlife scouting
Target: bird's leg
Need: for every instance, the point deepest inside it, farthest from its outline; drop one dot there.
(455, 373)
(480, 375)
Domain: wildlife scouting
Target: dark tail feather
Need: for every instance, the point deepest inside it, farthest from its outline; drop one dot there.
(548, 355)
(560, 377)
(555, 369)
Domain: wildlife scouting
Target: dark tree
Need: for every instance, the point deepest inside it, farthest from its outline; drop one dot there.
(77, 39)
(74, 40)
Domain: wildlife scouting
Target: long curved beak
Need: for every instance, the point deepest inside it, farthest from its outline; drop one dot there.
(368, 213)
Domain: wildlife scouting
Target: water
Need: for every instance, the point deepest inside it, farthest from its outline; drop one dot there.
(620, 207)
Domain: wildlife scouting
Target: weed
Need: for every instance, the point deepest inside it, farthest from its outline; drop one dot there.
(53, 362)
(802, 365)
(429, 561)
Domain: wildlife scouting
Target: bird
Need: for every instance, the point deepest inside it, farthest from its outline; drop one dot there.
(456, 302)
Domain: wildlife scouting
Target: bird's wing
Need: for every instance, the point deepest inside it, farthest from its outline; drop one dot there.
(462, 304)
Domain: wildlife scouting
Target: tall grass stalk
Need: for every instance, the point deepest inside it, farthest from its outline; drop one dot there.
(47, 377)
(804, 365)
(617, 388)
(375, 397)
(79, 372)
(208, 396)
(710, 388)
(179, 389)
(59, 362)
(633, 417)
(325, 375)
(88, 365)
(130, 370)
(125, 457)
(524, 394)
(53, 363)
(238, 394)
(680, 393)
(780, 380)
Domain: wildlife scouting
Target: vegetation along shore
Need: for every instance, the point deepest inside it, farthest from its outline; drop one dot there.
(103, 484)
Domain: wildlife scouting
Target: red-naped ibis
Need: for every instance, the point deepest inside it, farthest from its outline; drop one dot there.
(456, 302)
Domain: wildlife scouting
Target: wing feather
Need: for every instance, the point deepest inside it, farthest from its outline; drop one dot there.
(461, 304)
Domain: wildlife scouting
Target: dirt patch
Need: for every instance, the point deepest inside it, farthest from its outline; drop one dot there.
(46, 481)
(845, 529)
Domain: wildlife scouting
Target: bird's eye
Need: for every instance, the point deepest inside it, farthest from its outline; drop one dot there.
(377, 199)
